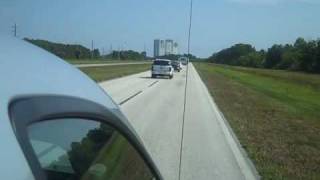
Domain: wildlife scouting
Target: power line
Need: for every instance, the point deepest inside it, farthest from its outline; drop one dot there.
(185, 90)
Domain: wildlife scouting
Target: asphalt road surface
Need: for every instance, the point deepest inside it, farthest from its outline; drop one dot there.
(155, 109)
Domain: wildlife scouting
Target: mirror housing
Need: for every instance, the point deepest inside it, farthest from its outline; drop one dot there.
(32, 109)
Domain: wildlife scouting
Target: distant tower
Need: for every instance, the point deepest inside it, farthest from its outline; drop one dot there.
(169, 47)
(159, 48)
(156, 48)
(165, 47)
(175, 48)
(162, 48)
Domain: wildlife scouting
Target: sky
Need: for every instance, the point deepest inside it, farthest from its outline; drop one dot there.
(134, 24)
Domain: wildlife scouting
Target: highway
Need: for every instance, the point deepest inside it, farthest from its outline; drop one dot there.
(155, 108)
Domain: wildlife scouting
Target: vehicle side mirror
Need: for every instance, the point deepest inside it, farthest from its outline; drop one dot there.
(85, 149)
(68, 138)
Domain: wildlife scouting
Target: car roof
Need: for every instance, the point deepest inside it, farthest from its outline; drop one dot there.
(27, 69)
(162, 60)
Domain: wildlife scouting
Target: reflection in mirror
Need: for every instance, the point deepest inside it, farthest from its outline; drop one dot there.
(71, 149)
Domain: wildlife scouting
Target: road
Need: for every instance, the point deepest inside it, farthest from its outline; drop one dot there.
(109, 64)
(155, 109)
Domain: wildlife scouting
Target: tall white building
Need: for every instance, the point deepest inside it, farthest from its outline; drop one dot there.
(169, 47)
(175, 48)
(165, 47)
(159, 48)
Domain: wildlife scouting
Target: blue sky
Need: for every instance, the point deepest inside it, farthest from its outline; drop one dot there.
(131, 24)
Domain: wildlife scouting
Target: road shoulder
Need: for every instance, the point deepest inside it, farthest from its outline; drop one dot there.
(247, 167)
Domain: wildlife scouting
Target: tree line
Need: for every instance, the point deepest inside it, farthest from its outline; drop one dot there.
(177, 56)
(126, 55)
(66, 51)
(301, 56)
(76, 51)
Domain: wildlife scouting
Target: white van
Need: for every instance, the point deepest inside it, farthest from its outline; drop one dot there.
(184, 60)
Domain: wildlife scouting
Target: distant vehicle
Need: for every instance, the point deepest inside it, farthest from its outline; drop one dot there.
(56, 123)
(177, 65)
(184, 60)
(162, 67)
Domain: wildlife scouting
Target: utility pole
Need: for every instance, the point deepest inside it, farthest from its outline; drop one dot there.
(185, 90)
(190, 25)
(15, 29)
(92, 49)
(119, 53)
(103, 53)
(144, 50)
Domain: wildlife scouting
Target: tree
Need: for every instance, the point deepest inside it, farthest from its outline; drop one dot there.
(231, 55)
(126, 55)
(190, 56)
(309, 59)
(96, 53)
(290, 60)
(69, 51)
(144, 54)
(302, 55)
(300, 43)
(177, 56)
(77, 54)
(316, 63)
(253, 59)
(273, 56)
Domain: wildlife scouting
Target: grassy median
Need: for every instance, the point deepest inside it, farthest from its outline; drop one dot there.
(104, 73)
(275, 114)
(102, 61)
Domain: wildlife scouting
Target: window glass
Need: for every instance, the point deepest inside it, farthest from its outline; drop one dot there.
(161, 62)
(70, 149)
(175, 62)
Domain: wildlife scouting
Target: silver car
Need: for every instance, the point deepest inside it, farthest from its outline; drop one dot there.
(56, 123)
(162, 67)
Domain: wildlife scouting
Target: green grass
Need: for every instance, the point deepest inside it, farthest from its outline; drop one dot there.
(100, 61)
(121, 161)
(302, 100)
(104, 73)
(111, 157)
(275, 114)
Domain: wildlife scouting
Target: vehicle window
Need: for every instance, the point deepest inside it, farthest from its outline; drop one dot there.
(163, 63)
(70, 149)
